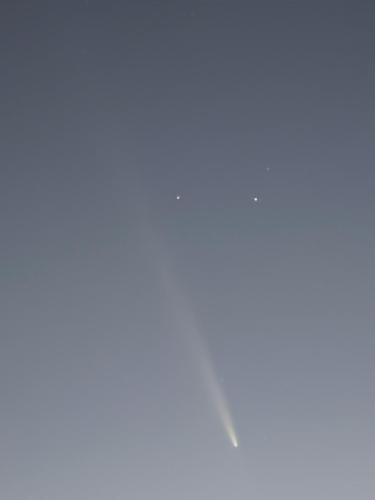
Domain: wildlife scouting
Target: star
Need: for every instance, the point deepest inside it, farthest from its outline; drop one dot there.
(178, 197)
(255, 199)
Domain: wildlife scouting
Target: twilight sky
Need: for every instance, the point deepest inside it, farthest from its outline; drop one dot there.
(187, 206)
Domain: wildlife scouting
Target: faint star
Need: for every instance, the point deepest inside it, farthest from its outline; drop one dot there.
(178, 197)
(255, 199)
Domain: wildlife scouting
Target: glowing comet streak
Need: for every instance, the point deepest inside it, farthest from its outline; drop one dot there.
(184, 320)
(186, 324)
(218, 399)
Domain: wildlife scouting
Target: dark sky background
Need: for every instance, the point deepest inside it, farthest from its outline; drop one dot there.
(109, 111)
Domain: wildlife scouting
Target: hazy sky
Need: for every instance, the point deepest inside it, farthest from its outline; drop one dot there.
(123, 309)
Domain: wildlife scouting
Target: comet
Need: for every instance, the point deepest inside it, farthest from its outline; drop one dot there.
(194, 340)
(218, 399)
(186, 325)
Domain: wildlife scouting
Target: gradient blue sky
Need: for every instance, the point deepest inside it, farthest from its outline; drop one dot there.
(109, 110)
